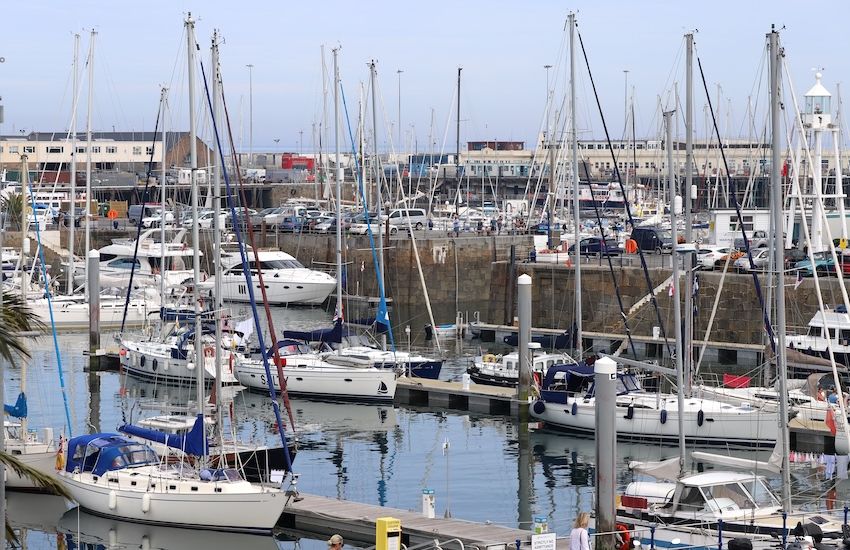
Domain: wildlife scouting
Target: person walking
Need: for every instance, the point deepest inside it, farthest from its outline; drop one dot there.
(579, 538)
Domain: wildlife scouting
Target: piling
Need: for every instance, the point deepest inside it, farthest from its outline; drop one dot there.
(524, 311)
(605, 370)
(93, 259)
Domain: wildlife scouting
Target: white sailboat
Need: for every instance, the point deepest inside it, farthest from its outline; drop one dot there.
(114, 476)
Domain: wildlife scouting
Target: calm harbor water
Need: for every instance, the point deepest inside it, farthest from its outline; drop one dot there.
(480, 467)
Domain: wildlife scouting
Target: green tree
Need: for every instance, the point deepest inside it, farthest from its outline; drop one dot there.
(13, 206)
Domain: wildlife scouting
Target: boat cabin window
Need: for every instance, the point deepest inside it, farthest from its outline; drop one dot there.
(294, 349)
(733, 496)
(280, 264)
(832, 334)
(123, 263)
(510, 365)
(845, 335)
(691, 499)
(761, 493)
(814, 332)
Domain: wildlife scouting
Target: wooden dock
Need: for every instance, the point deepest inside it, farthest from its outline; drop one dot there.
(451, 395)
(356, 523)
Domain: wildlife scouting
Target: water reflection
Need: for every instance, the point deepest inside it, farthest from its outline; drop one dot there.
(84, 530)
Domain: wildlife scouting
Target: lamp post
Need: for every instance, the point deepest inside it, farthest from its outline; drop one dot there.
(276, 142)
(547, 67)
(250, 115)
(300, 141)
(398, 72)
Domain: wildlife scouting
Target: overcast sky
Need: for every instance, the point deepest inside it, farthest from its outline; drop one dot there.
(501, 45)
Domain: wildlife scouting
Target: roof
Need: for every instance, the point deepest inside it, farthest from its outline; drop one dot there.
(818, 90)
(715, 478)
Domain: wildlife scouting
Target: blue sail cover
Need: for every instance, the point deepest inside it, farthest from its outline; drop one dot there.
(19, 409)
(382, 318)
(194, 442)
(331, 335)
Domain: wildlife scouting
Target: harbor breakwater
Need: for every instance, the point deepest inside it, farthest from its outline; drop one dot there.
(474, 274)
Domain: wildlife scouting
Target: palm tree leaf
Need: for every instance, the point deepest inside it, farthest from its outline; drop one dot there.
(15, 317)
(43, 481)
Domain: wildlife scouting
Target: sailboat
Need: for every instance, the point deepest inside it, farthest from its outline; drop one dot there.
(113, 475)
(714, 507)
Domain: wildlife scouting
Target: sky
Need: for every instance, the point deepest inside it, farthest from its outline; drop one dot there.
(503, 48)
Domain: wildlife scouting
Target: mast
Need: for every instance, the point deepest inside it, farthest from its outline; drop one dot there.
(378, 180)
(457, 152)
(216, 201)
(839, 178)
(549, 241)
(87, 208)
(779, 261)
(338, 179)
(687, 358)
(196, 260)
(71, 228)
(576, 207)
(163, 101)
(677, 314)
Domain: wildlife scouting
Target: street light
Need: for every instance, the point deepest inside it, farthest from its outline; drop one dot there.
(547, 67)
(276, 141)
(250, 115)
(398, 72)
(300, 141)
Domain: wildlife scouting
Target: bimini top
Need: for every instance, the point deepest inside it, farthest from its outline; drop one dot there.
(104, 452)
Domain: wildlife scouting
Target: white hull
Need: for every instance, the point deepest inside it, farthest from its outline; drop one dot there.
(722, 423)
(153, 361)
(238, 506)
(43, 461)
(323, 381)
(75, 315)
(279, 290)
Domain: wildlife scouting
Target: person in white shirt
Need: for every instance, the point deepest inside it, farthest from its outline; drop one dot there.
(579, 538)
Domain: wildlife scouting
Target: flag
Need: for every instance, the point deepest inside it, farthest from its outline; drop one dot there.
(830, 420)
(799, 280)
(672, 288)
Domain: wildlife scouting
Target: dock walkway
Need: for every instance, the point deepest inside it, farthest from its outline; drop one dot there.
(356, 523)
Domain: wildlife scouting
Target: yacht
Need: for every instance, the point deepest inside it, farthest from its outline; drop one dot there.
(833, 326)
(503, 370)
(567, 402)
(34, 450)
(146, 260)
(286, 280)
(306, 374)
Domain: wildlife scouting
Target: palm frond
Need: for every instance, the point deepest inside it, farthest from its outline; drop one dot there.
(15, 317)
(43, 481)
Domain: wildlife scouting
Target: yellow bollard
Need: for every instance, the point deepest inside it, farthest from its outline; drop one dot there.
(387, 534)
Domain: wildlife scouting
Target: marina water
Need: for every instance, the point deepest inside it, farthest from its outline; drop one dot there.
(480, 467)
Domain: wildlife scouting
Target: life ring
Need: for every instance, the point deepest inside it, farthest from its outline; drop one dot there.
(631, 246)
(209, 351)
(536, 376)
(112, 214)
(489, 358)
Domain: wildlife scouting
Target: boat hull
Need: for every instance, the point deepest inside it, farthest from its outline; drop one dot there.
(44, 462)
(278, 291)
(249, 512)
(151, 363)
(642, 420)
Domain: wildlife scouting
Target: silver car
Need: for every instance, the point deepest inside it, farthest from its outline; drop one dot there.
(761, 260)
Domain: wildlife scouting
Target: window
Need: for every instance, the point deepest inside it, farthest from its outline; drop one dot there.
(29, 149)
(137, 149)
(95, 149)
(148, 150)
(112, 149)
(81, 150)
(54, 149)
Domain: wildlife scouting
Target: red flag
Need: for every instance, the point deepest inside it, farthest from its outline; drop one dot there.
(830, 421)
(785, 169)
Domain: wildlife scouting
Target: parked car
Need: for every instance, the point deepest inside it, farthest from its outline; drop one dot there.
(137, 212)
(653, 239)
(758, 239)
(293, 224)
(761, 260)
(596, 246)
(707, 256)
(157, 218)
(275, 216)
(205, 220)
(823, 263)
(79, 215)
(359, 226)
(241, 217)
(402, 217)
(258, 218)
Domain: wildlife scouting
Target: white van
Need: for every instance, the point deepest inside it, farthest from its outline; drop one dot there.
(417, 216)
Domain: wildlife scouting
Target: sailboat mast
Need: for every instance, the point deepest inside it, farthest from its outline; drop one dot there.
(338, 179)
(576, 206)
(87, 208)
(457, 142)
(163, 101)
(779, 261)
(686, 204)
(72, 210)
(216, 201)
(677, 313)
(377, 170)
(196, 260)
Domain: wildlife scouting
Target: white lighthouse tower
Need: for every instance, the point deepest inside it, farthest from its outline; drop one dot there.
(817, 118)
